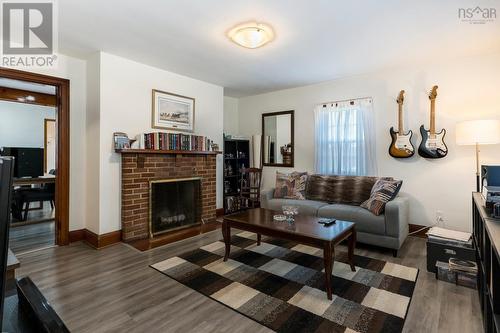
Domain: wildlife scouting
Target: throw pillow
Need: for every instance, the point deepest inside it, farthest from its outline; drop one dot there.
(290, 186)
(382, 192)
(347, 190)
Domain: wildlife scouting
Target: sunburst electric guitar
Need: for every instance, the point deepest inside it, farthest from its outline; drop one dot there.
(432, 145)
(401, 146)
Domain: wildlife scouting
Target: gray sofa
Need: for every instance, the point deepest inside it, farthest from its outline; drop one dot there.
(388, 230)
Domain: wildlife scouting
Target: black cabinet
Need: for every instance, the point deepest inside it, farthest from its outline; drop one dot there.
(236, 157)
(486, 231)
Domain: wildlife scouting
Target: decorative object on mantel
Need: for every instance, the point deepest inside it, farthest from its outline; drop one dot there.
(478, 132)
(172, 111)
(121, 140)
(432, 145)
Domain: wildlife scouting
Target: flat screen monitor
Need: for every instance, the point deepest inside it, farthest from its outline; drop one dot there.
(29, 161)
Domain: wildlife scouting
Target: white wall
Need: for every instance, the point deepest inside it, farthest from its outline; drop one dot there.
(22, 125)
(230, 115)
(74, 70)
(92, 123)
(125, 106)
(468, 89)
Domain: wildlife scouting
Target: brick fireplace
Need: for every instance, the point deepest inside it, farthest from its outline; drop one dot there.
(141, 169)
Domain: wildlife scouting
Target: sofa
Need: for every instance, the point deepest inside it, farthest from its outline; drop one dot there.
(340, 197)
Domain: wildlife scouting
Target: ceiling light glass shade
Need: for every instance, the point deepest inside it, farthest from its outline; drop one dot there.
(251, 35)
(482, 132)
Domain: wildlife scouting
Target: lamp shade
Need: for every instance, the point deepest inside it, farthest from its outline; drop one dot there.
(482, 132)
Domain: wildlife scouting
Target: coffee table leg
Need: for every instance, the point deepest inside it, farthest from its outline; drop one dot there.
(258, 239)
(350, 252)
(328, 259)
(226, 233)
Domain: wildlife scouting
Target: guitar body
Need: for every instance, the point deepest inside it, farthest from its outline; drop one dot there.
(401, 146)
(432, 146)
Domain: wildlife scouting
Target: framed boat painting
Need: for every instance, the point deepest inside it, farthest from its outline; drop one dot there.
(172, 111)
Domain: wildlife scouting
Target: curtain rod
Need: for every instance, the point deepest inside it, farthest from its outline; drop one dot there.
(346, 100)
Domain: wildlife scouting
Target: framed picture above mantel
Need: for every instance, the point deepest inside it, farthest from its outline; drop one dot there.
(172, 111)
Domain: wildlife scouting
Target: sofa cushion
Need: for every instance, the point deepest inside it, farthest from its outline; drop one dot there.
(290, 186)
(364, 219)
(306, 207)
(382, 192)
(349, 190)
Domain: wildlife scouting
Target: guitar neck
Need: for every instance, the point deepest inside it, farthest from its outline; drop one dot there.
(433, 118)
(400, 119)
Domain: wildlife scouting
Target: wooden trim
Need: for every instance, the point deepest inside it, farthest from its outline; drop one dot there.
(20, 96)
(219, 212)
(94, 240)
(173, 152)
(109, 239)
(76, 235)
(292, 134)
(45, 121)
(423, 229)
(62, 146)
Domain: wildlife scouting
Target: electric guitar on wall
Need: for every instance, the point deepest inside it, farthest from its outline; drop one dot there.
(401, 146)
(432, 145)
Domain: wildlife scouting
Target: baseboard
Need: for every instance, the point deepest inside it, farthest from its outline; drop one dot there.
(95, 240)
(76, 235)
(219, 212)
(422, 229)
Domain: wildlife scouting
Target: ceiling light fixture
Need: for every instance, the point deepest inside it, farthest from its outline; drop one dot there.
(251, 35)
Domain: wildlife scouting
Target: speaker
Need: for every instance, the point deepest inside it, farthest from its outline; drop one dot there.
(490, 175)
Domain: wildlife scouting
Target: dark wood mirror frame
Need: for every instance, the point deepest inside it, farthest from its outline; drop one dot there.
(292, 133)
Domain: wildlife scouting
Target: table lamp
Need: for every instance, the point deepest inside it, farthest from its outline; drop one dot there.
(475, 133)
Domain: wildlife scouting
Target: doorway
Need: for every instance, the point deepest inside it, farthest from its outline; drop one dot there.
(54, 148)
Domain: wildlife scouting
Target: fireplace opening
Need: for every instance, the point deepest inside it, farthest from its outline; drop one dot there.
(174, 204)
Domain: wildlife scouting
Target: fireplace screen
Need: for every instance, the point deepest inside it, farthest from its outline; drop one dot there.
(174, 204)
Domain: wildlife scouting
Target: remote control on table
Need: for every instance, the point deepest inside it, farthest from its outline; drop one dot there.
(327, 222)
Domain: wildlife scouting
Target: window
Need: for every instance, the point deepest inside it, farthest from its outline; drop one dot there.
(345, 139)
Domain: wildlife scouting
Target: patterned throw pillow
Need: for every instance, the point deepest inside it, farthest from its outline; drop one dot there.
(290, 186)
(382, 192)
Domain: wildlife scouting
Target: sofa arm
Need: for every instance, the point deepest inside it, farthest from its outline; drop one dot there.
(265, 196)
(397, 214)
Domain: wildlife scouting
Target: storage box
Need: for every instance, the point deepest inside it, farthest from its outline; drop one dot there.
(439, 249)
(463, 279)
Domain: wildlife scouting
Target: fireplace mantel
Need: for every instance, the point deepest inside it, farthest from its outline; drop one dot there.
(168, 152)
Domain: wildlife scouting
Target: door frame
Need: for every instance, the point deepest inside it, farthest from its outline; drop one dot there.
(62, 145)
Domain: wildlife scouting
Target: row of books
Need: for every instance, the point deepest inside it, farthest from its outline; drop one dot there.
(173, 141)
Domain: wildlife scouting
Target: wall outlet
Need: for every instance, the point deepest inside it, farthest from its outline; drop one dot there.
(439, 217)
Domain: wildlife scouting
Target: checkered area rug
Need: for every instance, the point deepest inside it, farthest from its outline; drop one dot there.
(280, 284)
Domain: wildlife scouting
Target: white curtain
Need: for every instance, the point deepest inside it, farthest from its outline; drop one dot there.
(345, 138)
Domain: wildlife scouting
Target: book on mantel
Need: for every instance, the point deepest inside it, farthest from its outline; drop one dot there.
(172, 141)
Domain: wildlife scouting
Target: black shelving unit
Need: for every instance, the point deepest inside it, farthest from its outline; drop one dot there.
(236, 156)
(486, 231)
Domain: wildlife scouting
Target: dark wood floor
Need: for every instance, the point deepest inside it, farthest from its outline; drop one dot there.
(114, 290)
(30, 237)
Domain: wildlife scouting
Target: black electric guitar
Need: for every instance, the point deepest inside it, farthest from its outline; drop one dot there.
(432, 145)
(401, 146)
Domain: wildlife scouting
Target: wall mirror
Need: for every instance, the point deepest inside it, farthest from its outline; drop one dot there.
(277, 139)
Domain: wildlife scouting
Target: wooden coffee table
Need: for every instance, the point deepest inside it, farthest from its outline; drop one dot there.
(305, 230)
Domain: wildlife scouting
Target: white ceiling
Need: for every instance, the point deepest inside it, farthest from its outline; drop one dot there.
(316, 40)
